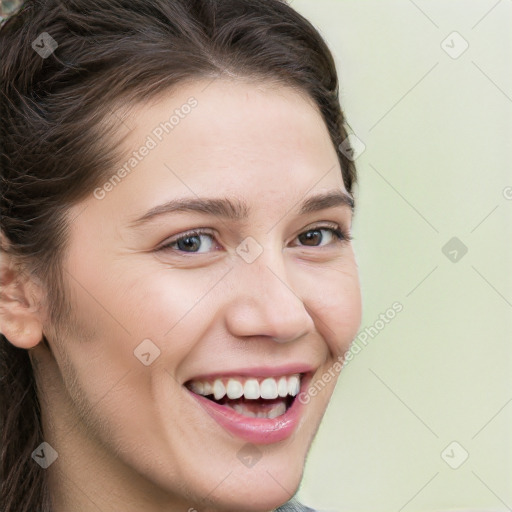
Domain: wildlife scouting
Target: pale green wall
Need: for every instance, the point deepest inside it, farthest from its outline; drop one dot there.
(435, 167)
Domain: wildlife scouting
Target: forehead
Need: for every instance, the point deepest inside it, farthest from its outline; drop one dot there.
(229, 107)
(220, 125)
(262, 143)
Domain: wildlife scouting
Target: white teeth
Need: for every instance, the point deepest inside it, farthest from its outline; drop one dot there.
(275, 411)
(218, 389)
(268, 389)
(293, 385)
(197, 387)
(251, 389)
(234, 389)
(241, 409)
(278, 410)
(282, 387)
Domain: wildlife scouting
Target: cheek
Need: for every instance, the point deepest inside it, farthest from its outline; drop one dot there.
(161, 303)
(336, 302)
(115, 314)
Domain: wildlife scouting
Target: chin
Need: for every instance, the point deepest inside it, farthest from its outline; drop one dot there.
(256, 490)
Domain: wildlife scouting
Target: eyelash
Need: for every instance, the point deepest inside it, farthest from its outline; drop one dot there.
(341, 235)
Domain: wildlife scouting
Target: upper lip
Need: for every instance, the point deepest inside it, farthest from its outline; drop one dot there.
(257, 371)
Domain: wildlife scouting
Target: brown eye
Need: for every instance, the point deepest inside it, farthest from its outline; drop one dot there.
(315, 237)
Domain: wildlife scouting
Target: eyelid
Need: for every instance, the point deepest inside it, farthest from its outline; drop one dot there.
(326, 224)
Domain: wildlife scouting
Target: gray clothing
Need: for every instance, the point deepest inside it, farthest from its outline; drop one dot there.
(293, 506)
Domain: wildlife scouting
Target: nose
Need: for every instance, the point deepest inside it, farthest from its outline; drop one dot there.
(264, 302)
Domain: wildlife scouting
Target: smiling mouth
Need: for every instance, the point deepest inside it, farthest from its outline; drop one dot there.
(268, 397)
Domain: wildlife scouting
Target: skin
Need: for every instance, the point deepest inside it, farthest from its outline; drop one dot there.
(130, 437)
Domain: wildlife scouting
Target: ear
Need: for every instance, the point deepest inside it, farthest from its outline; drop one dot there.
(20, 318)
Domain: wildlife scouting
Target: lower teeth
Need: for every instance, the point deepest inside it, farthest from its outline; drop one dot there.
(259, 408)
(272, 412)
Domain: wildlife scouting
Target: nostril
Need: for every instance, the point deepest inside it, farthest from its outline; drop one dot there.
(283, 340)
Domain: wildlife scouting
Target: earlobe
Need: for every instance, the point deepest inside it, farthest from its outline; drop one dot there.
(20, 320)
(21, 330)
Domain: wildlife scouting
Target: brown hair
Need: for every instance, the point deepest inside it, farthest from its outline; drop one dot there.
(53, 152)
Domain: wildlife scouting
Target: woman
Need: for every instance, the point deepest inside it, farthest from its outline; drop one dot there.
(176, 260)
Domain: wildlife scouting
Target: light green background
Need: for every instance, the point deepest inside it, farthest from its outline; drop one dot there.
(438, 136)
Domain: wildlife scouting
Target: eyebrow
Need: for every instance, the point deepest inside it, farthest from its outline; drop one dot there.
(237, 210)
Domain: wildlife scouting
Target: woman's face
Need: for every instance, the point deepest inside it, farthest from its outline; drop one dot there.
(265, 292)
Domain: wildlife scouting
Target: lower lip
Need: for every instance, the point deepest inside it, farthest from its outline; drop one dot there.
(255, 430)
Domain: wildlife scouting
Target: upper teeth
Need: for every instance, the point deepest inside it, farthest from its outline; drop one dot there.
(250, 388)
